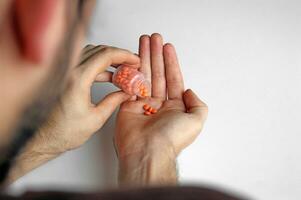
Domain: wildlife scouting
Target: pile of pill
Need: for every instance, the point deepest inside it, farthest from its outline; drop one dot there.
(149, 110)
(143, 90)
(131, 81)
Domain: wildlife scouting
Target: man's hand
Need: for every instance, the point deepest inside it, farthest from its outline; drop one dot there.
(147, 146)
(75, 118)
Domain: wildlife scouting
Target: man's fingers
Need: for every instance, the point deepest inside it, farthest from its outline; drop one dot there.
(87, 48)
(157, 66)
(89, 51)
(144, 54)
(174, 79)
(104, 77)
(194, 105)
(108, 105)
(145, 58)
(103, 58)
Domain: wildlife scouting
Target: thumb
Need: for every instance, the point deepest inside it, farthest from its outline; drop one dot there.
(194, 105)
(108, 105)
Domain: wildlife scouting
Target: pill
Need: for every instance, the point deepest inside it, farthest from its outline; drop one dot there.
(146, 106)
(145, 94)
(147, 113)
(154, 111)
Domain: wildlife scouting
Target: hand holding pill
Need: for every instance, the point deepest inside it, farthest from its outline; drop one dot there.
(169, 118)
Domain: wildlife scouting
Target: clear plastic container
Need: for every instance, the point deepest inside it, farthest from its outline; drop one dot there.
(131, 81)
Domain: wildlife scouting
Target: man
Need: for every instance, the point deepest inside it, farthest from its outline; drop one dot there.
(46, 106)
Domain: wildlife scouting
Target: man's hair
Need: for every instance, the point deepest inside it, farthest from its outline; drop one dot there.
(36, 114)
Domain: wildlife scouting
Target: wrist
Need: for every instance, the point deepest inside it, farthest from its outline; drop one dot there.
(155, 164)
(46, 142)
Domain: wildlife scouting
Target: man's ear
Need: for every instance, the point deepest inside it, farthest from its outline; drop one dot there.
(32, 20)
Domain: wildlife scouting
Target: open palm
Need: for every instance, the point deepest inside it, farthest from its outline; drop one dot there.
(180, 115)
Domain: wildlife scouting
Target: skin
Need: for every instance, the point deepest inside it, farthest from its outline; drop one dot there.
(147, 146)
(64, 129)
(24, 74)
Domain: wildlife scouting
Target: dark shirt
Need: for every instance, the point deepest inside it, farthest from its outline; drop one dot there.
(160, 193)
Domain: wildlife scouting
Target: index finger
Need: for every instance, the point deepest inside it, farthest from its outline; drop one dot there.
(106, 57)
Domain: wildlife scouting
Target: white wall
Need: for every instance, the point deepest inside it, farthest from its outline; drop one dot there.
(243, 58)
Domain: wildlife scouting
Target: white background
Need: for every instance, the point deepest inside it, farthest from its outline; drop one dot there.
(243, 58)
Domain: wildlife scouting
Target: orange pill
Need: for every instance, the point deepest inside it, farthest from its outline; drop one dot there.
(150, 109)
(147, 113)
(146, 106)
(154, 111)
(145, 93)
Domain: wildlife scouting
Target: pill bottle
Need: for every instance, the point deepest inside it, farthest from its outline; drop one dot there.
(131, 81)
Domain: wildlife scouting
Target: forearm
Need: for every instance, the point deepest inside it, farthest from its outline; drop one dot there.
(149, 168)
(36, 153)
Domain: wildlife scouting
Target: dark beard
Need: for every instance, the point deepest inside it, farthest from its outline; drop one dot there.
(36, 114)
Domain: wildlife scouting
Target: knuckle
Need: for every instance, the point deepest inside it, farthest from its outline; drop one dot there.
(200, 113)
(102, 46)
(175, 80)
(158, 74)
(205, 107)
(203, 112)
(108, 49)
(88, 46)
